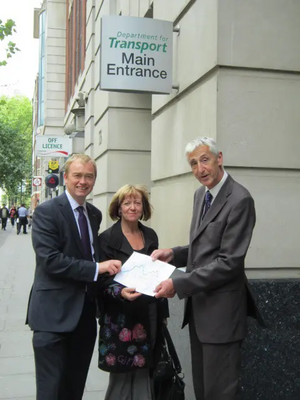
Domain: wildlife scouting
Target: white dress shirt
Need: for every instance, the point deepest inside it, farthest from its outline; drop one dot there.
(215, 190)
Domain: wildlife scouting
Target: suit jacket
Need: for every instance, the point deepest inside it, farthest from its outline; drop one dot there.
(61, 273)
(215, 259)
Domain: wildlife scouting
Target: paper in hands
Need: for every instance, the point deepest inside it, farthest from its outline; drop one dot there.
(143, 274)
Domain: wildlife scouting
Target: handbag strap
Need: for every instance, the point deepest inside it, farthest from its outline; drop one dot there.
(171, 349)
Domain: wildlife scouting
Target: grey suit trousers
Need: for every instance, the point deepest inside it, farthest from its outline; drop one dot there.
(215, 367)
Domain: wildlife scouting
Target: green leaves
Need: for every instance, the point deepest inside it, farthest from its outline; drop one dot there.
(7, 29)
(15, 143)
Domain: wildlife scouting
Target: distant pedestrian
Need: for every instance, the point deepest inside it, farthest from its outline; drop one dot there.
(13, 215)
(23, 213)
(4, 215)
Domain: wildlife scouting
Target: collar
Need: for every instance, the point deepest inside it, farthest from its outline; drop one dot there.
(215, 190)
(116, 237)
(73, 202)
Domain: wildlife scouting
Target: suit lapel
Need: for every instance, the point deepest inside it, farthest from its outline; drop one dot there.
(149, 240)
(118, 241)
(216, 207)
(199, 203)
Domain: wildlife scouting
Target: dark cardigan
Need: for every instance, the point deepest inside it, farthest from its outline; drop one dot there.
(125, 340)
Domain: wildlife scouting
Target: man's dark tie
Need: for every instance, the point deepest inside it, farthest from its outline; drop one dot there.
(84, 231)
(85, 238)
(207, 202)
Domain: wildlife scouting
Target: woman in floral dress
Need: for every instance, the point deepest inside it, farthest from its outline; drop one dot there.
(129, 338)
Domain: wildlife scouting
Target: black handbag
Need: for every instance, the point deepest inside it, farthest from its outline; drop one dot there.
(168, 376)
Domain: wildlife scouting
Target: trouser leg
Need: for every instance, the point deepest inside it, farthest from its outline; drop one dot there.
(62, 359)
(24, 225)
(50, 363)
(216, 368)
(80, 351)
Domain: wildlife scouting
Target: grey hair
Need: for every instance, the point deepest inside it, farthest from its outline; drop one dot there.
(202, 141)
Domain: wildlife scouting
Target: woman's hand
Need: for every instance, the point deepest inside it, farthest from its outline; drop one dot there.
(130, 294)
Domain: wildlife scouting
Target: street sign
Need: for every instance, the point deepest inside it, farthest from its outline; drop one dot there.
(136, 54)
(37, 181)
(53, 166)
(53, 146)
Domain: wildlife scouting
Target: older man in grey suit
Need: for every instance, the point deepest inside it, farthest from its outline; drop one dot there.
(214, 286)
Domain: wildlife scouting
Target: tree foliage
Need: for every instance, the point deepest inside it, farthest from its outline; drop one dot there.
(7, 29)
(15, 145)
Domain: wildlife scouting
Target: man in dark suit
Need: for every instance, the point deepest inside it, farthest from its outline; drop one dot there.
(214, 286)
(61, 309)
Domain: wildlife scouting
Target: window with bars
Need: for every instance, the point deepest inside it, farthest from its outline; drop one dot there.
(76, 25)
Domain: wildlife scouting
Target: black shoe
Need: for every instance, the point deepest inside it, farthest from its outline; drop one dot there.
(24, 233)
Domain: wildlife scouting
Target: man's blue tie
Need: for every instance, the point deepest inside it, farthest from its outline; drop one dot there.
(84, 231)
(207, 202)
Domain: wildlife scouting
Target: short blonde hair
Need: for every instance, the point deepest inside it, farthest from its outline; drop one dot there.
(83, 158)
(130, 190)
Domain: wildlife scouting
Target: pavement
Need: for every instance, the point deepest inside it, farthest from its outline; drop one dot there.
(17, 374)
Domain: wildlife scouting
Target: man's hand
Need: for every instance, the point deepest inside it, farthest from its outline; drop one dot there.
(111, 266)
(165, 289)
(130, 294)
(165, 255)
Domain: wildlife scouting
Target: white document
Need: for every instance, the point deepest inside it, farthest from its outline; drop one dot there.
(143, 274)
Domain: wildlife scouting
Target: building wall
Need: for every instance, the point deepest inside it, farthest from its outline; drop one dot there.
(55, 67)
(237, 65)
(54, 84)
(117, 125)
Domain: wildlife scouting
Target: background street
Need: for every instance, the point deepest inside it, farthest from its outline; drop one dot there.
(17, 380)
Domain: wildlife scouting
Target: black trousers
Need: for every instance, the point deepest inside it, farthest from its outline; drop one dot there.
(215, 368)
(3, 223)
(62, 360)
(23, 222)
